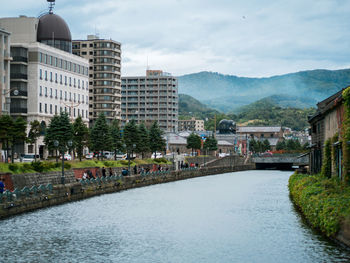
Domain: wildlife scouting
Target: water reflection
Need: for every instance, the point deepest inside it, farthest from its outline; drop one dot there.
(238, 217)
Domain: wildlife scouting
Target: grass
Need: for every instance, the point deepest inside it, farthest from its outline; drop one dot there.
(50, 166)
(324, 202)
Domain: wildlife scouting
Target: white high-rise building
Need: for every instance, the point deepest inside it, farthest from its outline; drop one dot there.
(5, 59)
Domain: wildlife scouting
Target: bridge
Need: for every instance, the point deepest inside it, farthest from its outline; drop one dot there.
(283, 162)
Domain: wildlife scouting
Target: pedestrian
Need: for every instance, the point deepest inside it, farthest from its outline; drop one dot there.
(135, 169)
(89, 173)
(110, 171)
(84, 176)
(103, 172)
(2, 185)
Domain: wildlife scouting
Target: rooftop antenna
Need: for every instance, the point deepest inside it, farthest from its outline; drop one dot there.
(51, 5)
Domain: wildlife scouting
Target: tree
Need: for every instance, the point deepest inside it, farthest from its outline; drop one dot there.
(144, 143)
(193, 142)
(34, 134)
(60, 129)
(18, 134)
(6, 126)
(99, 135)
(156, 141)
(281, 145)
(80, 136)
(211, 144)
(116, 138)
(131, 136)
(266, 146)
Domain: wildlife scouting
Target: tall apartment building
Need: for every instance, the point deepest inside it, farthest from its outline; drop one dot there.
(5, 59)
(45, 77)
(191, 125)
(150, 98)
(104, 75)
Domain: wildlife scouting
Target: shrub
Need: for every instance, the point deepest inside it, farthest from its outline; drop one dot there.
(38, 166)
(13, 167)
(124, 162)
(161, 160)
(25, 167)
(67, 166)
(108, 163)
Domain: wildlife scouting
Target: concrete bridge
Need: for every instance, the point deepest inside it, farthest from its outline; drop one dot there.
(283, 162)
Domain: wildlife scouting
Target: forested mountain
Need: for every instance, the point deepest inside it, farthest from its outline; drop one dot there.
(227, 93)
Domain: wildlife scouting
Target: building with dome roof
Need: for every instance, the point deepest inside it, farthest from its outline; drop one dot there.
(45, 77)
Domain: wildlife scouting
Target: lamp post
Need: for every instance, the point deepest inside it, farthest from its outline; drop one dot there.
(69, 143)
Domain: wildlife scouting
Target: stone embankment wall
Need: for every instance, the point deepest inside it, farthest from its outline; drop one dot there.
(227, 161)
(12, 205)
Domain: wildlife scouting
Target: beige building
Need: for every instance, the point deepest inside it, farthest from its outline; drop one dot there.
(5, 59)
(45, 77)
(150, 98)
(104, 75)
(191, 125)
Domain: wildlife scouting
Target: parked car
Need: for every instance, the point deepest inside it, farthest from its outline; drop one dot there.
(223, 155)
(67, 157)
(121, 156)
(157, 155)
(89, 156)
(28, 158)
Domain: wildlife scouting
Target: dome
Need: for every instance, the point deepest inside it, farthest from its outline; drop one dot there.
(54, 31)
(52, 26)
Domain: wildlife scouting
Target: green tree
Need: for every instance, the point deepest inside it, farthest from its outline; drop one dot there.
(266, 145)
(194, 142)
(34, 133)
(18, 134)
(80, 136)
(6, 127)
(60, 129)
(210, 144)
(116, 138)
(131, 136)
(100, 138)
(281, 145)
(326, 169)
(144, 143)
(156, 141)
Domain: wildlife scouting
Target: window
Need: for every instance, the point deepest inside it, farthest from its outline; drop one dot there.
(70, 96)
(65, 95)
(82, 113)
(78, 97)
(61, 79)
(82, 83)
(70, 81)
(79, 83)
(50, 60)
(262, 135)
(65, 80)
(55, 109)
(50, 108)
(82, 98)
(40, 57)
(56, 78)
(51, 76)
(55, 62)
(74, 83)
(41, 73)
(50, 92)
(45, 74)
(41, 91)
(74, 112)
(55, 93)
(83, 45)
(45, 58)
(45, 108)
(61, 97)
(70, 112)
(60, 109)
(40, 108)
(45, 91)
(74, 96)
(86, 99)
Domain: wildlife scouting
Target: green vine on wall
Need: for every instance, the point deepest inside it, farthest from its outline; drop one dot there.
(335, 138)
(327, 159)
(346, 134)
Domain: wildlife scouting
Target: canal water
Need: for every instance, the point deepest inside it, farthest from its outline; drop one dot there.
(235, 217)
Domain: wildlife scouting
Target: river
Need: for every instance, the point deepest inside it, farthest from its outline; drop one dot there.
(235, 217)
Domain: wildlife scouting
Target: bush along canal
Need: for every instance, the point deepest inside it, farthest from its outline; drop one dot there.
(325, 203)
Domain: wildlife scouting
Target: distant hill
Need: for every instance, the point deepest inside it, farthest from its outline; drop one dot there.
(266, 111)
(227, 93)
(189, 107)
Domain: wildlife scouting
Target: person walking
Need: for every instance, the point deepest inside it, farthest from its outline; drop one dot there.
(2, 185)
(103, 172)
(135, 169)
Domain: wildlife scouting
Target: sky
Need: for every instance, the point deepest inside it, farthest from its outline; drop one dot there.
(251, 38)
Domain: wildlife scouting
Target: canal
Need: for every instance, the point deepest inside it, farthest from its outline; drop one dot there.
(236, 217)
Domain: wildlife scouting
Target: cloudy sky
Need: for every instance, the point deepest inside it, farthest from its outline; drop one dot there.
(254, 38)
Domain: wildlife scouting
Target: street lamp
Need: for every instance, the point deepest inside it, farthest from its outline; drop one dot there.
(69, 143)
